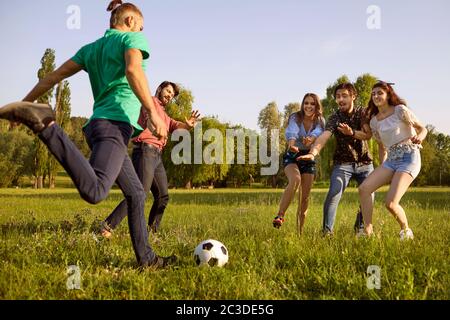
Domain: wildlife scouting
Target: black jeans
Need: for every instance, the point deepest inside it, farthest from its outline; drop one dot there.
(147, 161)
(109, 163)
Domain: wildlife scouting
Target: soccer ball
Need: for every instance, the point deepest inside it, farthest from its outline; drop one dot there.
(211, 252)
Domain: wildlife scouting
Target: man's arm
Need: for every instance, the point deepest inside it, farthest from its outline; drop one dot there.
(317, 146)
(68, 69)
(364, 134)
(139, 84)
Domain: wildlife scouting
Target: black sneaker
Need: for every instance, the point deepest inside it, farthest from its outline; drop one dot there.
(359, 222)
(35, 116)
(162, 262)
(278, 222)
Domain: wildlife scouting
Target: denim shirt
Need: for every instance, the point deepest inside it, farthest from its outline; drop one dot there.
(298, 132)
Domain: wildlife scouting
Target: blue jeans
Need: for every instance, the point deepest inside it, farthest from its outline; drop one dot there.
(147, 161)
(109, 162)
(340, 178)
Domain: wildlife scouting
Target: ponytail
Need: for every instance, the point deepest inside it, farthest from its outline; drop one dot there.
(118, 10)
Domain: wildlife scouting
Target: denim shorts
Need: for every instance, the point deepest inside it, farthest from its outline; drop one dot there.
(304, 166)
(410, 163)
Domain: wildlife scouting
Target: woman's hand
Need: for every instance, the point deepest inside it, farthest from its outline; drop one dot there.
(417, 139)
(308, 156)
(293, 149)
(308, 141)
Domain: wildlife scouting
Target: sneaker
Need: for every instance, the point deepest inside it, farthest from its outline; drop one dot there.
(406, 234)
(278, 222)
(152, 229)
(162, 262)
(327, 234)
(36, 116)
(359, 222)
(361, 233)
(105, 230)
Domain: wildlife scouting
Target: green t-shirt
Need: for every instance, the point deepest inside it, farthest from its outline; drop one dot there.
(104, 61)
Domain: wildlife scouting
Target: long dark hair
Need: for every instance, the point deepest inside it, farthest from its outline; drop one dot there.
(118, 9)
(393, 98)
(318, 118)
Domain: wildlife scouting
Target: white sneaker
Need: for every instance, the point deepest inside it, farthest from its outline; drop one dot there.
(406, 234)
(361, 233)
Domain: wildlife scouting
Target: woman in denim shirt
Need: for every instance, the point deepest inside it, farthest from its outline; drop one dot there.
(303, 128)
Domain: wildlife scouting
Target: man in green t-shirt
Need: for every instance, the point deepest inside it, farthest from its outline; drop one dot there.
(115, 64)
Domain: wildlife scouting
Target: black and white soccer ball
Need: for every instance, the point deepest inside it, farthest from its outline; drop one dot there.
(211, 253)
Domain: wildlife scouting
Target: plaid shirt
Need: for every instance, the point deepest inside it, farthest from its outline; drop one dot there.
(349, 149)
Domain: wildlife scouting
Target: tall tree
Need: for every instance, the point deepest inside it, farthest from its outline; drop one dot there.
(62, 111)
(41, 153)
(179, 175)
(325, 160)
(289, 109)
(364, 84)
(270, 119)
(241, 172)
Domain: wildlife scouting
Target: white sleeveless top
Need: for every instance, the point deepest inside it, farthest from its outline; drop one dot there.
(395, 128)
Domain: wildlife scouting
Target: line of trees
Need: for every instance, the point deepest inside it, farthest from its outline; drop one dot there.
(24, 157)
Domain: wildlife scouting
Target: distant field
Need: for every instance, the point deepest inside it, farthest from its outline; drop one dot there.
(43, 232)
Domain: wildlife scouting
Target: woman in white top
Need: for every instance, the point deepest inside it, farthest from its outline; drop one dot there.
(399, 135)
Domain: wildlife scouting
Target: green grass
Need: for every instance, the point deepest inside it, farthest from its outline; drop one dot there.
(43, 232)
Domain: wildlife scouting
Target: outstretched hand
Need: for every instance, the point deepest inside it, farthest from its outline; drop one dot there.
(345, 129)
(307, 157)
(195, 116)
(308, 141)
(293, 149)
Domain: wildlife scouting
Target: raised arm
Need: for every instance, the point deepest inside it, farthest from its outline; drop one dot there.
(68, 69)
(139, 84)
(188, 124)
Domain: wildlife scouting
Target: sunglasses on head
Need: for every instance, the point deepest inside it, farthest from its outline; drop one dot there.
(386, 83)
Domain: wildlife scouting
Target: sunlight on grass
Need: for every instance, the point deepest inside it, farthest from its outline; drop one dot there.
(45, 231)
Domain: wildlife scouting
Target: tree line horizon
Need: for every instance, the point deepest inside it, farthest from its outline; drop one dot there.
(24, 160)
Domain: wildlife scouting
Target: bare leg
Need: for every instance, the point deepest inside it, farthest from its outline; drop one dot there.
(293, 175)
(305, 191)
(379, 177)
(400, 183)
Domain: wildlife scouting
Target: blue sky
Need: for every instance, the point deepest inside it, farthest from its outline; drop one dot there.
(236, 56)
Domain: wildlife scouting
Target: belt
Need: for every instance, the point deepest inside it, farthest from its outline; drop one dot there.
(141, 145)
(358, 164)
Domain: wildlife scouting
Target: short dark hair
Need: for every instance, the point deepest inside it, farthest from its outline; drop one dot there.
(176, 89)
(345, 86)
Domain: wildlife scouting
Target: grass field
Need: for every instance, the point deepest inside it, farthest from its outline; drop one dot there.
(43, 232)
